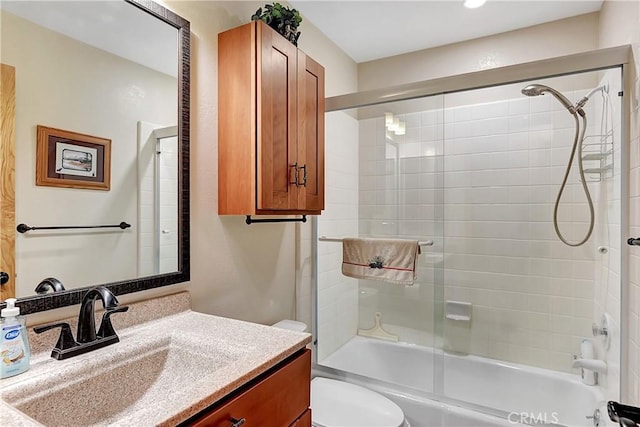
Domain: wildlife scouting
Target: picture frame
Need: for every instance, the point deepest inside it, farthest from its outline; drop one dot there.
(72, 160)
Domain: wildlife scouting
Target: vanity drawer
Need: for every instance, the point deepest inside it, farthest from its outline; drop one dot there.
(277, 400)
(304, 420)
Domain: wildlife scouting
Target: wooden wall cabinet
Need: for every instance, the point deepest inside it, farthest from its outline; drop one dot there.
(270, 125)
(279, 399)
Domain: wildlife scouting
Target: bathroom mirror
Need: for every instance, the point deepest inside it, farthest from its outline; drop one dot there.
(117, 71)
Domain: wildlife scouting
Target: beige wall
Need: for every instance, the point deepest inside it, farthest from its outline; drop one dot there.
(248, 272)
(56, 87)
(567, 36)
(619, 24)
(240, 271)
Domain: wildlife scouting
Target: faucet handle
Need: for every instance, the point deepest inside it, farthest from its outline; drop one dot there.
(106, 328)
(65, 340)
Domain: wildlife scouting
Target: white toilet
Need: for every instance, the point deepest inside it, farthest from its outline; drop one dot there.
(341, 404)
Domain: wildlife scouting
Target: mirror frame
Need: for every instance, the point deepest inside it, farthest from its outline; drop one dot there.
(36, 303)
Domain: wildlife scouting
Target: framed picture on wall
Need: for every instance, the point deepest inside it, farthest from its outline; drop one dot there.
(72, 160)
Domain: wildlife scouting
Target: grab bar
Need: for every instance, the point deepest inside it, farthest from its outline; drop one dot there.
(339, 240)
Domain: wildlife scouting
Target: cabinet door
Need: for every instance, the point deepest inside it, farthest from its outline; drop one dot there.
(281, 399)
(310, 133)
(277, 117)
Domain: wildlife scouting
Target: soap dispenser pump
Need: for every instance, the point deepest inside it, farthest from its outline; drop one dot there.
(14, 343)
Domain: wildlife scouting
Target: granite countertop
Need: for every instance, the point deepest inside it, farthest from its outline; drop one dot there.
(198, 359)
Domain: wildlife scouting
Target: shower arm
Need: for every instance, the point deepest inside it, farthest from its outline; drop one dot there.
(581, 103)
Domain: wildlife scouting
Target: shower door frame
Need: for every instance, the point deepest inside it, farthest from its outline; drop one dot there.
(600, 59)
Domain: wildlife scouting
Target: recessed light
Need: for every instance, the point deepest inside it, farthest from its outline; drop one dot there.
(472, 4)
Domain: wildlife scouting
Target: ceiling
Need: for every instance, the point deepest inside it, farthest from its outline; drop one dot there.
(368, 30)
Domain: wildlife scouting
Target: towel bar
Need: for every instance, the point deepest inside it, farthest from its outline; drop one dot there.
(339, 240)
(23, 228)
(250, 220)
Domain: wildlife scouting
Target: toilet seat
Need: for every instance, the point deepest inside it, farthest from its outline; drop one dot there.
(291, 325)
(338, 403)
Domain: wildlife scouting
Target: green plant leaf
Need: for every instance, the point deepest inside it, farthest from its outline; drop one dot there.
(282, 19)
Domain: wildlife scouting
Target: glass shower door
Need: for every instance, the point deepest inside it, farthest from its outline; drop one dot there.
(383, 180)
(518, 302)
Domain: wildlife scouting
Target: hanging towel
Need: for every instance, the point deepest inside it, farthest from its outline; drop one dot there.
(389, 260)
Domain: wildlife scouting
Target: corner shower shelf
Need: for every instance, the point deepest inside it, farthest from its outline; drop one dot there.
(597, 155)
(601, 170)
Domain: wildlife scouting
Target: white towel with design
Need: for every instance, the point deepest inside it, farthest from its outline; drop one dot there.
(389, 260)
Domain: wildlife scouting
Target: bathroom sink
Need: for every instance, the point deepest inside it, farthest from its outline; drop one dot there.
(161, 373)
(92, 393)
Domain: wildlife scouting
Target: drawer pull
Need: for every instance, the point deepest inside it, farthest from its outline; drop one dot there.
(237, 422)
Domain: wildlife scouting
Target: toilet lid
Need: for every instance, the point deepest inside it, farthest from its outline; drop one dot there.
(292, 325)
(338, 403)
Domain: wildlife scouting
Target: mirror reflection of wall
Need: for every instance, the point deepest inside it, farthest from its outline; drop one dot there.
(69, 84)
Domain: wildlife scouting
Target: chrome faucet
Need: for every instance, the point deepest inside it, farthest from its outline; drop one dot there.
(87, 339)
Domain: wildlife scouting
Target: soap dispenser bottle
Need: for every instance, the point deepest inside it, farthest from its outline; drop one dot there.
(14, 343)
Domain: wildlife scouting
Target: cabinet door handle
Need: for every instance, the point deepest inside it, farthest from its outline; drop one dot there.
(297, 174)
(304, 176)
(235, 422)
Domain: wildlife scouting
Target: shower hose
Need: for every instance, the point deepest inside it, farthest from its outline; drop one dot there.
(577, 145)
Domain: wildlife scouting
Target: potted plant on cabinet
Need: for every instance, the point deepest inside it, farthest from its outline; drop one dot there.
(282, 19)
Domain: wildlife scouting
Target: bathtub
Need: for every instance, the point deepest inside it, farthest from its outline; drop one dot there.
(523, 393)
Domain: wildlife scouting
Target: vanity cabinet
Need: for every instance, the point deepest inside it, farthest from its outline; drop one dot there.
(281, 397)
(270, 125)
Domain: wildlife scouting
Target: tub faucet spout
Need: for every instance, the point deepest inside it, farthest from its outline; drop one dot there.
(595, 365)
(589, 369)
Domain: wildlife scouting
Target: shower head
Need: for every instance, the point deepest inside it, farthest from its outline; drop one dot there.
(534, 90)
(537, 89)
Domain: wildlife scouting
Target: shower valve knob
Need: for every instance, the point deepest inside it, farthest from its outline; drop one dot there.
(597, 330)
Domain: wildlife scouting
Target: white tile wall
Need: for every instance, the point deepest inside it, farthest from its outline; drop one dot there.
(157, 251)
(501, 253)
(168, 206)
(607, 235)
(337, 305)
(503, 161)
